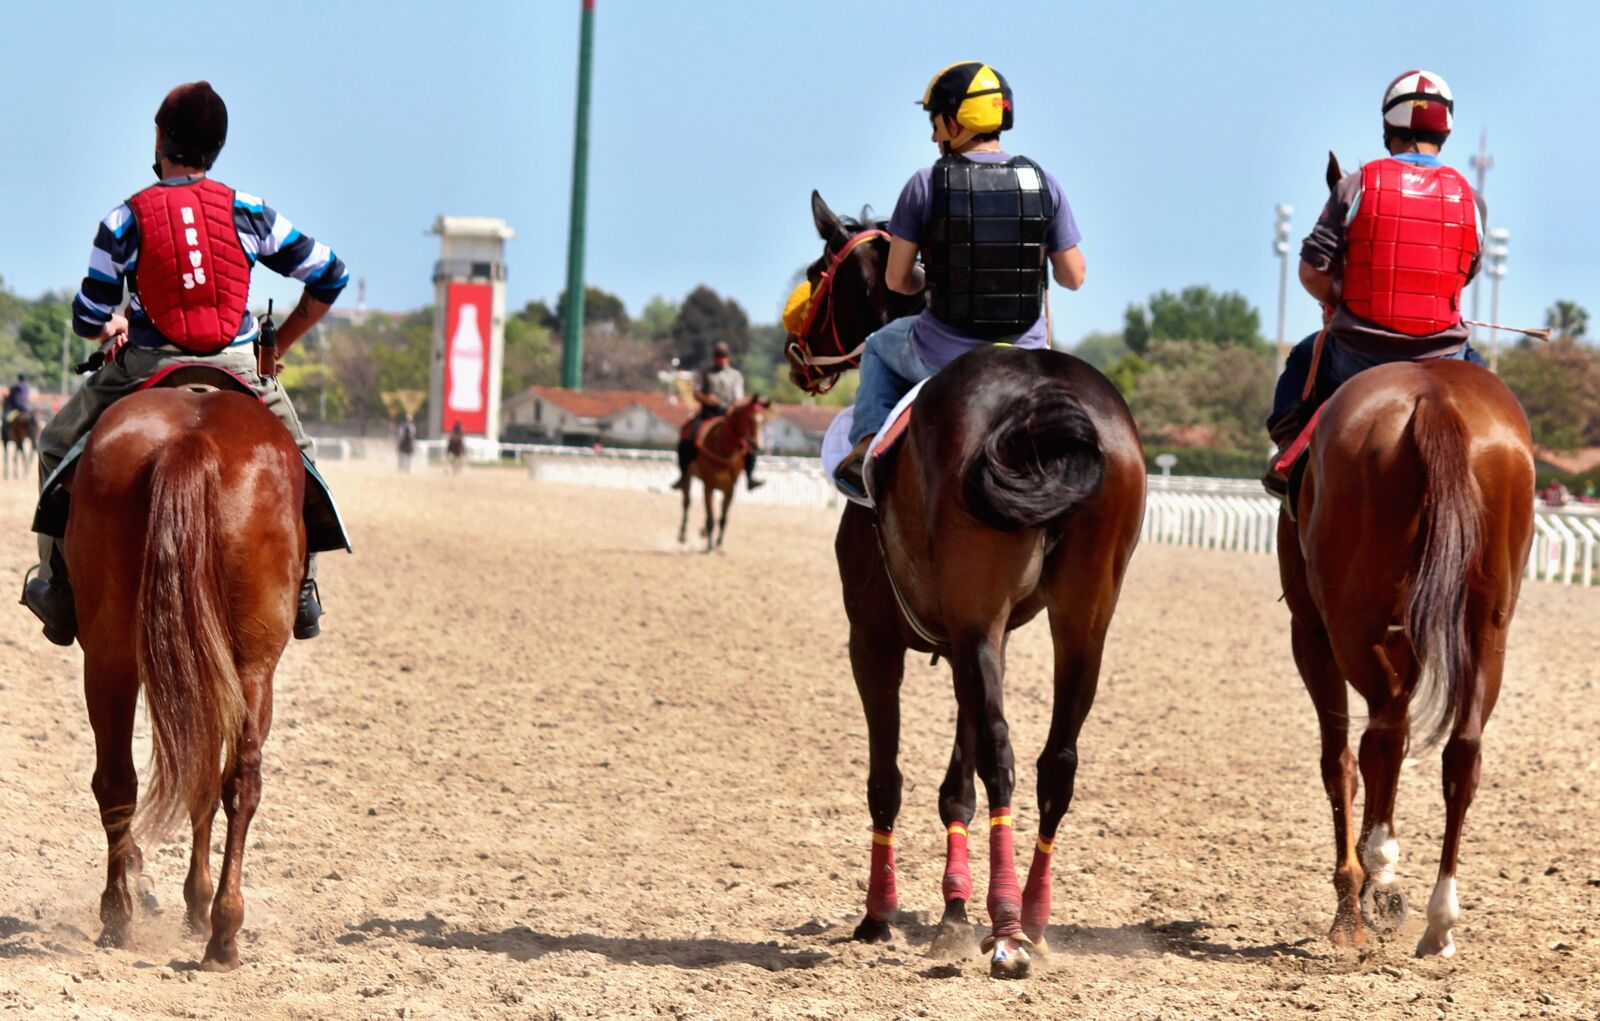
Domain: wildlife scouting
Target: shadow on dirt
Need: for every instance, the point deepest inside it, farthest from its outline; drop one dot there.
(521, 943)
(1189, 938)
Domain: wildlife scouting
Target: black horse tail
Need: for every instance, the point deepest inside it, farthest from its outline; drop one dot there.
(1435, 616)
(1039, 463)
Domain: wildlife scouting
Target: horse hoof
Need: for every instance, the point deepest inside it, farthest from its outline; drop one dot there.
(198, 928)
(1008, 957)
(871, 930)
(218, 959)
(1347, 934)
(1435, 944)
(1384, 908)
(145, 893)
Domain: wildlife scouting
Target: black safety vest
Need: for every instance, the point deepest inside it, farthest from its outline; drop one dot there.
(984, 246)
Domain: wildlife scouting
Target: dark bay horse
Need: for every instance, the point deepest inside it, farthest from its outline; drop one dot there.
(20, 441)
(1018, 488)
(1415, 518)
(720, 454)
(185, 544)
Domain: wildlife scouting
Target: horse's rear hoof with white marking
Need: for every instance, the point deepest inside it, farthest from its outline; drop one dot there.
(1437, 944)
(1384, 908)
(1008, 956)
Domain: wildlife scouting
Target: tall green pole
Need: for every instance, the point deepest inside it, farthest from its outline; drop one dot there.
(572, 315)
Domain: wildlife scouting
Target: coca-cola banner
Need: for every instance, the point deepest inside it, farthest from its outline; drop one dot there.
(466, 358)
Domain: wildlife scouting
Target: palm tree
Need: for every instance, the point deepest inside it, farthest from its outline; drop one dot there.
(1567, 319)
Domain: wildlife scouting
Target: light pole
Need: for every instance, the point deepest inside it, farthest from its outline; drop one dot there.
(1481, 162)
(1280, 245)
(1495, 252)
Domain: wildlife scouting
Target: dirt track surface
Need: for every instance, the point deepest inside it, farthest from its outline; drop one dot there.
(542, 765)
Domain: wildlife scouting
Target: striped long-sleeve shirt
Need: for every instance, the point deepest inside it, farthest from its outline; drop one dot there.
(268, 237)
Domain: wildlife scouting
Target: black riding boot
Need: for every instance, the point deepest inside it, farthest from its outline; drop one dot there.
(750, 480)
(52, 601)
(308, 612)
(1284, 431)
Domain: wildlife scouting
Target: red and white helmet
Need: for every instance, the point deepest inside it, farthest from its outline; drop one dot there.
(1419, 101)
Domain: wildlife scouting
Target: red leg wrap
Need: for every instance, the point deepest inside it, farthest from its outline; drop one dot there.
(957, 873)
(1036, 896)
(882, 898)
(1005, 899)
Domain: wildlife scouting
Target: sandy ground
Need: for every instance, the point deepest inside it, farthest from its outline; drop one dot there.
(543, 765)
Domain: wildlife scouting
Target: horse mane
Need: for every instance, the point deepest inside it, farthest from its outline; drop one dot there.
(866, 221)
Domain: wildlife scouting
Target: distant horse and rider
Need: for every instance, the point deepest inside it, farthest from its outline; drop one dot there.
(405, 444)
(19, 430)
(455, 449)
(720, 443)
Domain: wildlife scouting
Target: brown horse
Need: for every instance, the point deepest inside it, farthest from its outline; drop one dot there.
(1415, 517)
(1018, 488)
(21, 432)
(720, 453)
(185, 543)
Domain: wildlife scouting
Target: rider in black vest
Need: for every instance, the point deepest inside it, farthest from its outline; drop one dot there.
(991, 229)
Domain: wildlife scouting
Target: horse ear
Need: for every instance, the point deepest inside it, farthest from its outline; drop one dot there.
(827, 222)
(1334, 173)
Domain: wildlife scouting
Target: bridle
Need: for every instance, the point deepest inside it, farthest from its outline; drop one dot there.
(798, 352)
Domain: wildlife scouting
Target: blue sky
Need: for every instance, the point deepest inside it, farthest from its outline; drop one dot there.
(1174, 127)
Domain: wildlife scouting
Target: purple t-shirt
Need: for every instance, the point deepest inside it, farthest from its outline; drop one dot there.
(937, 341)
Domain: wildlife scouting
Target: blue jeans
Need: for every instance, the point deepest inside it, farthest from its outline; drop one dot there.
(1339, 363)
(890, 367)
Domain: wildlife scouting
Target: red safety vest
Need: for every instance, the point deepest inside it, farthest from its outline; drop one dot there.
(1410, 247)
(193, 276)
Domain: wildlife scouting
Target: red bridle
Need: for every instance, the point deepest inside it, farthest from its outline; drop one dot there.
(798, 351)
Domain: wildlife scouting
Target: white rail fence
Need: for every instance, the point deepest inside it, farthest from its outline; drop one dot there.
(1224, 514)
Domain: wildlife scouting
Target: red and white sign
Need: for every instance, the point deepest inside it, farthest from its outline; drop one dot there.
(466, 358)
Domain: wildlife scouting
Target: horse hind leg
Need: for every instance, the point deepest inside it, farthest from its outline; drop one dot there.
(958, 800)
(197, 887)
(1325, 683)
(879, 668)
(1383, 749)
(977, 661)
(722, 522)
(116, 790)
(241, 794)
(1463, 757)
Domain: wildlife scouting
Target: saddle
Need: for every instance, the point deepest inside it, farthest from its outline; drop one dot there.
(836, 445)
(325, 530)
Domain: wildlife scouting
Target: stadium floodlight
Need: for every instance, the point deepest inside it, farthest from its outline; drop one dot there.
(1280, 245)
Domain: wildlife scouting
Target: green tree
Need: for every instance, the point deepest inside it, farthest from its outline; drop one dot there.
(657, 318)
(704, 319)
(532, 353)
(1558, 384)
(1100, 349)
(1220, 392)
(1195, 313)
(1567, 319)
(599, 308)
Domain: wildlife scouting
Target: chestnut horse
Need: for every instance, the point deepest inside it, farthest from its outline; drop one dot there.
(185, 543)
(1018, 488)
(1401, 572)
(719, 461)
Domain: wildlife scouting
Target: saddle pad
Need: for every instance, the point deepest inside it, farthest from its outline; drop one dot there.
(836, 447)
(893, 431)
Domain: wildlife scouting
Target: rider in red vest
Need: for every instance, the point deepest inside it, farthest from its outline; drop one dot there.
(182, 249)
(1388, 258)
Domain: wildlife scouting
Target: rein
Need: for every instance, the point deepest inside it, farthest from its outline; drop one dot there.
(798, 350)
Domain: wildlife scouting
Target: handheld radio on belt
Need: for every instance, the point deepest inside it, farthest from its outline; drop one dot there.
(267, 346)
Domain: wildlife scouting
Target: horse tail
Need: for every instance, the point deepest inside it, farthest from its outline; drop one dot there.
(184, 648)
(1039, 462)
(1435, 617)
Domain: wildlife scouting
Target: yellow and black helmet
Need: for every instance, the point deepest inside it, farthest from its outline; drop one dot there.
(972, 92)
